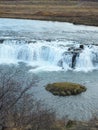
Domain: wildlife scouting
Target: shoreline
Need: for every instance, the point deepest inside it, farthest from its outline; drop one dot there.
(51, 20)
(76, 12)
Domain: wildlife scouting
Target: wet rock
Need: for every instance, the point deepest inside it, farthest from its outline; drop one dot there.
(71, 49)
(95, 44)
(29, 42)
(1, 41)
(74, 60)
(48, 40)
(60, 63)
(82, 46)
(75, 52)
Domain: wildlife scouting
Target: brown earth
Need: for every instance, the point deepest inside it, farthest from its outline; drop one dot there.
(75, 11)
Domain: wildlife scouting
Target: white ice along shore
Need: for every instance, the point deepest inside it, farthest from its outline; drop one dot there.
(50, 46)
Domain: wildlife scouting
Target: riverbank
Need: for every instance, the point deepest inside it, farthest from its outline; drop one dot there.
(77, 12)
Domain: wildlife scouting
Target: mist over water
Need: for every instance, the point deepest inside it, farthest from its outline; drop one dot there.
(55, 52)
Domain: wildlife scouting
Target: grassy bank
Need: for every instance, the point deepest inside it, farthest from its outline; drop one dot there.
(77, 12)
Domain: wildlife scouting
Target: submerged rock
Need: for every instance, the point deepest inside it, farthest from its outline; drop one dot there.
(65, 88)
(1, 41)
(60, 63)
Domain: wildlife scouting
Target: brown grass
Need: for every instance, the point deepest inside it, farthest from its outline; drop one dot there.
(65, 88)
(55, 10)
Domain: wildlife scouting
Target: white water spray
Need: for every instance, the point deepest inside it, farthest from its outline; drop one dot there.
(49, 55)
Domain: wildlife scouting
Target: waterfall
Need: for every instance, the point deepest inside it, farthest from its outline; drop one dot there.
(62, 55)
(84, 61)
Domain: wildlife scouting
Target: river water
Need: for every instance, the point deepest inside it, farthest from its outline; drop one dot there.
(53, 52)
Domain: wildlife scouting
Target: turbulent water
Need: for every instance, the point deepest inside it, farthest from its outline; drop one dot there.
(56, 52)
(55, 55)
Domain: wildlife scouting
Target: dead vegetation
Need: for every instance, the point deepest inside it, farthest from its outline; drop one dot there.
(18, 108)
(20, 111)
(77, 12)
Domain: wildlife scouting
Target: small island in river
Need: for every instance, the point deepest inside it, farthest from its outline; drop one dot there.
(65, 88)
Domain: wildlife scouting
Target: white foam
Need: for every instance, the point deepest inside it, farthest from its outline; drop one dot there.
(43, 53)
(84, 61)
(47, 56)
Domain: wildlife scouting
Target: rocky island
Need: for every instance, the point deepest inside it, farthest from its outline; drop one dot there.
(65, 88)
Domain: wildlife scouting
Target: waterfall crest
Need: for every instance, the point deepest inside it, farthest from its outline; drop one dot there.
(63, 55)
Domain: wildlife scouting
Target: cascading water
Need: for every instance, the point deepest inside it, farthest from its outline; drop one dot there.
(44, 46)
(57, 54)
